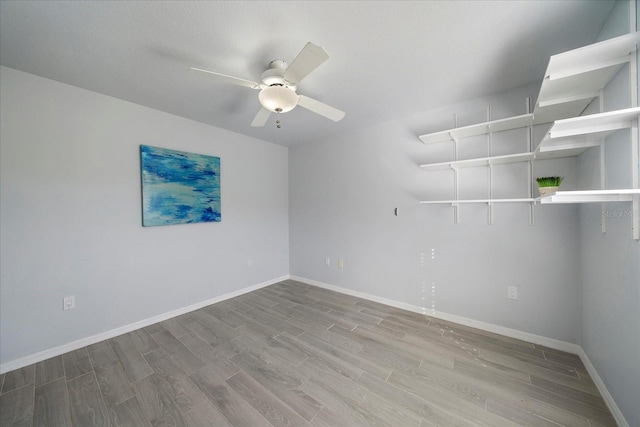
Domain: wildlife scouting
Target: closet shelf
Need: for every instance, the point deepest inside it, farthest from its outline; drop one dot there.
(579, 133)
(478, 129)
(476, 201)
(498, 160)
(591, 196)
(485, 161)
(575, 77)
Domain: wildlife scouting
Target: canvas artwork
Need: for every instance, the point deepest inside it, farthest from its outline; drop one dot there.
(179, 187)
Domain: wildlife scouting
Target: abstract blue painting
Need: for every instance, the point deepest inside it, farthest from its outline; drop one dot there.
(179, 187)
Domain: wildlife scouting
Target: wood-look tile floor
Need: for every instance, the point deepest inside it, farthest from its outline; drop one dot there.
(297, 355)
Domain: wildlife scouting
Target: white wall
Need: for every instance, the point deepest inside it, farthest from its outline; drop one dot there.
(71, 216)
(342, 198)
(610, 262)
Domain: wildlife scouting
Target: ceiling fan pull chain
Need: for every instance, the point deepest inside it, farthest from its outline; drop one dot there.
(278, 110)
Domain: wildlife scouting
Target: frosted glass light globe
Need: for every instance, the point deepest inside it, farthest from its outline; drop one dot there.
(278, 99)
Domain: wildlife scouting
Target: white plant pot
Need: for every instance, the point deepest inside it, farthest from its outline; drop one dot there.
(547, 191)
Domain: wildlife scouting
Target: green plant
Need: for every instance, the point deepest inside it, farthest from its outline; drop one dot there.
(549, 181)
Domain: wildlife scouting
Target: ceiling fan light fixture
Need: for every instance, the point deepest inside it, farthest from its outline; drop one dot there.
(278, 98)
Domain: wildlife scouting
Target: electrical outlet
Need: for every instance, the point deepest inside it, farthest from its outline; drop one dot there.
(327, 261)
(69, 302)
(340, 263)
(512, 292)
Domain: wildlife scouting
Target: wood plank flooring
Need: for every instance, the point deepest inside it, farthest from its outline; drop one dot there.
(296, 355)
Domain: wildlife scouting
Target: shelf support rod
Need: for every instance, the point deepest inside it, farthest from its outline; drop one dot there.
(603, 170)
(530, 189)
(635, 144)
(635, 203)
(603, 186)
(489, 153)
(456, 213)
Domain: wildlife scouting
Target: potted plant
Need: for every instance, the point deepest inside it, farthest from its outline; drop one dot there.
(547, 185)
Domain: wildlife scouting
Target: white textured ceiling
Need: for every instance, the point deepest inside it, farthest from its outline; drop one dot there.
(388, 59)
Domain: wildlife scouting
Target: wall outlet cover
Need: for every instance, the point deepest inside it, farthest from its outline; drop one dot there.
(68, 303)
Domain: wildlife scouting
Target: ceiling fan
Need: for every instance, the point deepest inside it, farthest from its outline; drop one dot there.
(278, 86)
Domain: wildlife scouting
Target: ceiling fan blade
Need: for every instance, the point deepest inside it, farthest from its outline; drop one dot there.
(320, 108)
(310, 57)
(228, 79)
(261, 118)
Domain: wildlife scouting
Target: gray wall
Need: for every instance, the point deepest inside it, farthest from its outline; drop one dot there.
(71, 216)
(610, 262)
(342, 197)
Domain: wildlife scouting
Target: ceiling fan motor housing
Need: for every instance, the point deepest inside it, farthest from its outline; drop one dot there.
(274, 75)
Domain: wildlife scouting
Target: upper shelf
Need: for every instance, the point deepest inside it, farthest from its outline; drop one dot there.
(579, 133)
(495, 160)
(572, 80)
(485, 161)
(478, 129)
(575, 77)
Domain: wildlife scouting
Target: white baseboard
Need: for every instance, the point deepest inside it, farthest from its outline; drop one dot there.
(83, 342)
(608, 399)
(489, 327)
